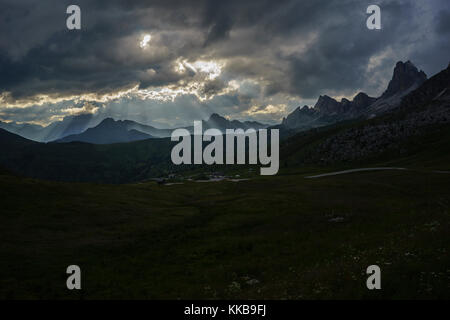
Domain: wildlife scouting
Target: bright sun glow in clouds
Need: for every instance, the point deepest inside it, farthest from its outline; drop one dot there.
(145, 41)
(212, 69)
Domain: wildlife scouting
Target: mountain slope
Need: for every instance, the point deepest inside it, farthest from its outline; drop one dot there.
(155, 132)
(8, 139)
(303, 118)
(56, 130)
(26, 130)
(68, 126)
(108, 131)
(77, 161)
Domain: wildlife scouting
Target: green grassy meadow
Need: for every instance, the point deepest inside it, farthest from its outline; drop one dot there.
(278, 237)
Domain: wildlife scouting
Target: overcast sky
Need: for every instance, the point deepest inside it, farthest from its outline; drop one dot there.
(168, 63)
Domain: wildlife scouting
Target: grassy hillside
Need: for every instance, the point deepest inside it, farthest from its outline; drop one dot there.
(77, 161)
(427, 147)
(282, 237)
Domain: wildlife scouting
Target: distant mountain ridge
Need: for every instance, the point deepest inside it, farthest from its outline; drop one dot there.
(70, 125)
(88, 128)
(406, 77)
(108, 131)
(115, 131)
(56, 130)
(26, 130)
(217, 121)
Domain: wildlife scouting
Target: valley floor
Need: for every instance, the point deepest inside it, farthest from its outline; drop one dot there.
(281, 237)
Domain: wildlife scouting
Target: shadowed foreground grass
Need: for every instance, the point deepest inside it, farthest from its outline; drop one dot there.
(282, 237)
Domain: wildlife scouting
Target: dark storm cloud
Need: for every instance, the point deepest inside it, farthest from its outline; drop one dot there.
(291, 47)
(219, 30)
(94, 58)
(338, 60)
(443, 24)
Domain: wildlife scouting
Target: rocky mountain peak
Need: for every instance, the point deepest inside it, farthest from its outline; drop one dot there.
(301, 116)
(107, 122)
(405, 76)
(216, 116)
(219, 122)
(362, 100)
(326, 104)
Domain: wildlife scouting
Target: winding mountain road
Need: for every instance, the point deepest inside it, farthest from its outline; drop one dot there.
(365, 169)
(353, 170)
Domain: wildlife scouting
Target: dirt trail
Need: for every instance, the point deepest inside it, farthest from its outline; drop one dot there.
(353, 170)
